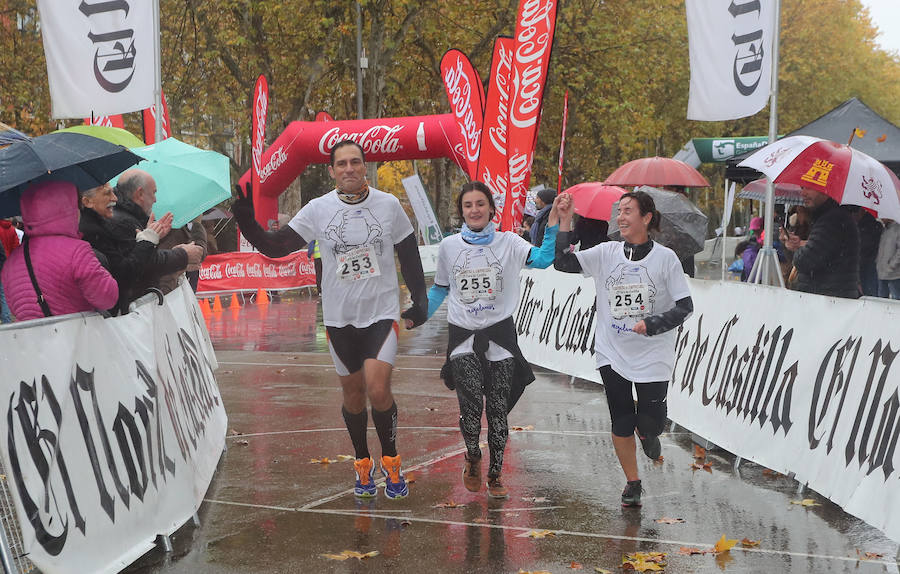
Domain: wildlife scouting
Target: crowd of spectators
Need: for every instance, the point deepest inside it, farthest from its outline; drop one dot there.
(94, 250)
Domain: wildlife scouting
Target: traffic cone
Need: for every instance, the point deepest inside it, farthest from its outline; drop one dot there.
(234, 302)
(204, 306)
(262, 298)
(217, 305)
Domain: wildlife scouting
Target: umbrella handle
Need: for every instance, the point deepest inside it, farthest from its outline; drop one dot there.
(158, 293)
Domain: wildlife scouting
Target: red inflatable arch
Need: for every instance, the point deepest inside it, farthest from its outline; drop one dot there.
(383, 139)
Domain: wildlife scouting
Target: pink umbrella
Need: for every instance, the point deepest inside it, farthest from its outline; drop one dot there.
(594, 200)
(843, 173)
(657, 171)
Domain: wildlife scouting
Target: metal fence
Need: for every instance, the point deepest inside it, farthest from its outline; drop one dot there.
(12, 550)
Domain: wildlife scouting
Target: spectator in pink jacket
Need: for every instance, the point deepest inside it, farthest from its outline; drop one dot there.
(65, 267)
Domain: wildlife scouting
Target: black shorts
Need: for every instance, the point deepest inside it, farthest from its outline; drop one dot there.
(350, 346)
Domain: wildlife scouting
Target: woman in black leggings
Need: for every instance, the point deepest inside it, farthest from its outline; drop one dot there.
(642, 294)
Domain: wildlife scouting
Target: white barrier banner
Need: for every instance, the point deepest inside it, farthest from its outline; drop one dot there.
(795, 382)
(112, 431)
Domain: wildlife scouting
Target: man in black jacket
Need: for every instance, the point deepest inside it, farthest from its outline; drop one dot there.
(136, 192)
(828, 262)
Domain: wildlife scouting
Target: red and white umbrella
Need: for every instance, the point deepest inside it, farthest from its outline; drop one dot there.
(843, 173)
(657, 171)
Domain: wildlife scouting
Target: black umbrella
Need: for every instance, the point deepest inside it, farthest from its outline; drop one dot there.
(83, 160)
(682, 226)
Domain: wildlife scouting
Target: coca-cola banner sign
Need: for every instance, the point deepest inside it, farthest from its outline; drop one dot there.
(149, 117)
(259, 113)
(114, 121)
(466, 96)
(382, 139)
(100, 56)
(493, 168)
(239, 271)
(535, 26)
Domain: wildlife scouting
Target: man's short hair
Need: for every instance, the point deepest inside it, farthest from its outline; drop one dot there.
(344, 143)
(126, 186)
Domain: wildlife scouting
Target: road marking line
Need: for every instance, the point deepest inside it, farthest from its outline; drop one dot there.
(443, 429)
(525, 530)
(529, 509)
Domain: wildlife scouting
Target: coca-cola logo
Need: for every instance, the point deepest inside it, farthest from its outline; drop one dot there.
(260, 109)
(459, 91)
(270, 270)
(276, 160)
(497, 133)
(376, 139)
(234, 270)
(211, 272)
(533, 41)
(287, 270)
(254, 270)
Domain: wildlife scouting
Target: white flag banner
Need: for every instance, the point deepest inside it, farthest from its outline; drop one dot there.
(730, 50)
(418, 199)
(100, 56)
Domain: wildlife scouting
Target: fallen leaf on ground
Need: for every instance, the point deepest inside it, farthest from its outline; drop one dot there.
(534, 499)
(529, 427)
(448, 504)
(724, 545)
(350, 554)
(660, 460)
(323, 460)
(410, 477)
(869, 555)
(771, 473)
(723, 560)
(747, 543)
(242, 442)
(534, 572)
(667, 520)
(806, 502)
(281, 371)
(227, 372)
(344, 457)
(644, 561)
(707, 466)
(699, 452)
(430, 409)
(576, 566)
(541, 533)
(481, 521)
(235, 433)
(602, 570)
(690, 550)
(482, 445)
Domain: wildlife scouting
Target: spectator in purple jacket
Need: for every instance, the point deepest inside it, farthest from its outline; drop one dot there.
(66, 270)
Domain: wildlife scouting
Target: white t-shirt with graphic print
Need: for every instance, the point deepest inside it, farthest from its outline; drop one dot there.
(628, 292)
(483, 279)
(359, 277)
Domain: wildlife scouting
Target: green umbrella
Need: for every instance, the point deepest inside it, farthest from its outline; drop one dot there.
(189, 180)
(117, 136)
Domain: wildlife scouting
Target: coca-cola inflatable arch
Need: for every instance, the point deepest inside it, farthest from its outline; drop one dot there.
(382, 139)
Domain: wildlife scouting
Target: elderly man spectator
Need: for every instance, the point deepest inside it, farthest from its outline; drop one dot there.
(136, 192)
(828, 262)
(543, 201)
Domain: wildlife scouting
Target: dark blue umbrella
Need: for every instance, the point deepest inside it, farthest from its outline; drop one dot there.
(9, 135)
(83, 160)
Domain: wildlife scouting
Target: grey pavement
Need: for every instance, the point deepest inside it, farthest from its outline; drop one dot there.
(269, 509)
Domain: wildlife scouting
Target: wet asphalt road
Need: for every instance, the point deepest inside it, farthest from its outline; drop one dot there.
(269, 509)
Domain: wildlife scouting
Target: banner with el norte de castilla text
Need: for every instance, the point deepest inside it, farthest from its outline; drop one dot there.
(111, 432)
(796, 382)
(100, 56)
(730, 46)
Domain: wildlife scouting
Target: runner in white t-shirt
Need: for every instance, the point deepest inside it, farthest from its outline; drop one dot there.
(357, 229)
(642, 295)
(479, 270)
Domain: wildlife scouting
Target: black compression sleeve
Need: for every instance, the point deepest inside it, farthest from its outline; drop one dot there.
(667, 321)
(411, 268)
(271, 243)
(565, 260)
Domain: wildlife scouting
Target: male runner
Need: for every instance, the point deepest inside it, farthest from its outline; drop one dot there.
(358, 228)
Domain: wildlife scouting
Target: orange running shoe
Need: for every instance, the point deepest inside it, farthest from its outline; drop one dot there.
(365, 481)
(394, 484)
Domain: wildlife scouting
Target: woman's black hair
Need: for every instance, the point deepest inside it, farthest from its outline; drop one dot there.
(475, 186)
(645, 205)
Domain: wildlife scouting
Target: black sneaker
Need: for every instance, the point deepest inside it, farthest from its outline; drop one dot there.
(651, 445)
(631, 496)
